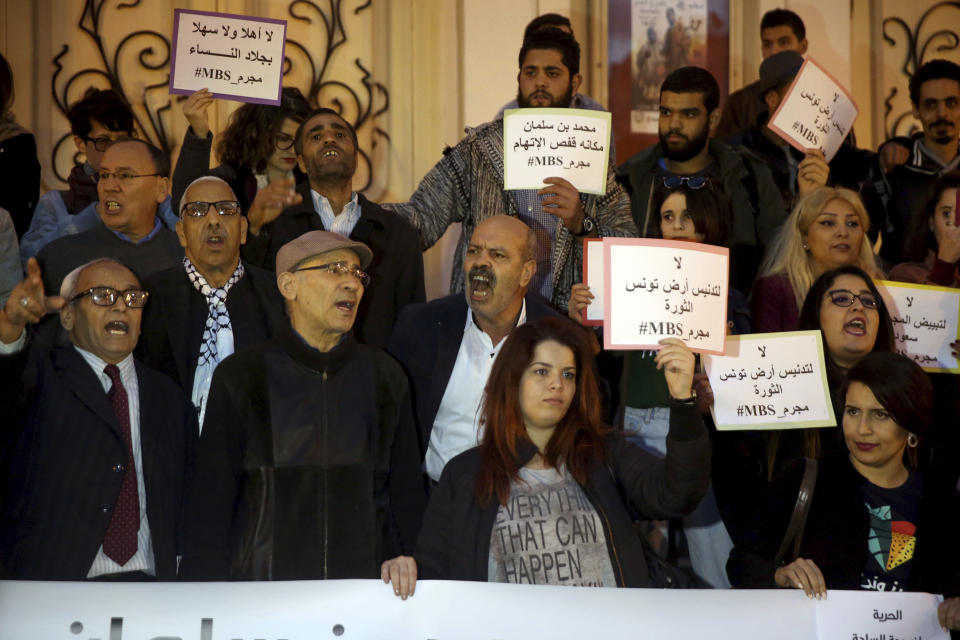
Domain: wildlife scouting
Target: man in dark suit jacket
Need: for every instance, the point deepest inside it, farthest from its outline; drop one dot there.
(203, 310)
(327, 148)
(447, 346)
(96, 444)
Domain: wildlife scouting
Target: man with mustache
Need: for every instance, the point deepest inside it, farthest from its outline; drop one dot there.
(689, 110)
(903, 193)
(307, 467)
(466, 185)
(211, 304)
(95, 445)
(448, 346)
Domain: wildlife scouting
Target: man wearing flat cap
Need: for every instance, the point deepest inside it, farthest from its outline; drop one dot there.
(308, 466)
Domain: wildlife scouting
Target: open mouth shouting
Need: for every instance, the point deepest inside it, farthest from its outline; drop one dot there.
(346, 306)
(117, 328)
(856, 327)
(481, 282)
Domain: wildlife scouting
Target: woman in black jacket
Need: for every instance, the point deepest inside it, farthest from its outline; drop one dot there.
(542, 499)
(874, 523)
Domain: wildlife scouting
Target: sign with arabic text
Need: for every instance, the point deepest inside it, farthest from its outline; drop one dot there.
(655, 289)
(770, 381)
(926, 319)
(573, 144)
(873, 615)
(817, 112)
(234, 57)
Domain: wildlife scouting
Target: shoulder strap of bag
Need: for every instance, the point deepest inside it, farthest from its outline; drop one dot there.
(798, 519)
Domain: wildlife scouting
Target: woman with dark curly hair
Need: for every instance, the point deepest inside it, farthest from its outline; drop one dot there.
(544, 443)
(255, 149)
(932, 246)
(18, 159)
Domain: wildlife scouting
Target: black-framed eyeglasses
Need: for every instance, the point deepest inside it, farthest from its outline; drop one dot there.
(123, 177)
(693, 182)
(845, 298)
(340, 269)
(107, 297)
(283, 141)
(103, 143)
(199, 208)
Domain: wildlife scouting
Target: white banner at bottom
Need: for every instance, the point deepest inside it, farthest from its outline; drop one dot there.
(367, 609)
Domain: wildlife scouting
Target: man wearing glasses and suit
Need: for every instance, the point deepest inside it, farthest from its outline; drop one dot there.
(95, 445)
(211, 304)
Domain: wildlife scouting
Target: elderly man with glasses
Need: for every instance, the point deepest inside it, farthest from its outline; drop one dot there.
(211, 304)
(132, 183)
(308, 466)
(95, 445)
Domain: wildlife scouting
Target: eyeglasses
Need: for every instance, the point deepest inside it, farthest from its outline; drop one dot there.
(107, 297)
(844, 298)
(340, 269)
(200, 208)
(694, 182)
(123, 177)
(103, 143)
(283, 141)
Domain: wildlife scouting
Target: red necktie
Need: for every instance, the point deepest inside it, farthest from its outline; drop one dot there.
(120, 543)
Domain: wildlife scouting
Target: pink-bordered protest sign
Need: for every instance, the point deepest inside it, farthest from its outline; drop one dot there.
(593, 277)
(817, 113)
(233, 56)
(655, 289)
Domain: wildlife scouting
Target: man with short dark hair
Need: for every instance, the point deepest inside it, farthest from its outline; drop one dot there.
(95, 446)
(689, 99)
(893, 200)
(448, 346)
(780, 30)
(97, 120)
(132, 183)
(466, 185)
(211, 304)
(308, 466)
(797, 173)
(327, 150)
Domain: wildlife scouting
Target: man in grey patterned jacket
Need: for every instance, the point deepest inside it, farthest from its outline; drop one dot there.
(466, 186)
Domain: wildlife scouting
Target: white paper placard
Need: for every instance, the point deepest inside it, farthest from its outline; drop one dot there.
(573, 144)
(875, 615)
(593, 278)
(770, 381)
(235, 57)
(926, 319)
(817, 112)
(658, 289)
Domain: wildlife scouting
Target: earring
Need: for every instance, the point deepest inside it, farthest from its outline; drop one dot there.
(805, 246)
(913, 441)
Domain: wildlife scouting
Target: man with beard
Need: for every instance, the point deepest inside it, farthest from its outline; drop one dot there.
(448, 346)
(326, 147)
(466, 186)
(935, 95)
(689, 99)
(213, 303)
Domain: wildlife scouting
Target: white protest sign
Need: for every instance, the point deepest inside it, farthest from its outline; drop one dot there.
(235, 57)
(593, 278)
(876, 615)
(817, 112)
(573, 144)
(926, 319)
(770, 381)
(361, 609)
(658, 289)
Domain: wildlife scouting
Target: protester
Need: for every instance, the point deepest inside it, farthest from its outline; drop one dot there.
(932, 246)
(18, 159)
(543, 438)
(874, 523)
(254, 150)
(826, 229)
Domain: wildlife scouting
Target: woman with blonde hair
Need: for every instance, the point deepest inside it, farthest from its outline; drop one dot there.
(827, 229)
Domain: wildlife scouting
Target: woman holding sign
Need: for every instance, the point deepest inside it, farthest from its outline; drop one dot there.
(826, 229)
(874, 523)
(546, 497)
